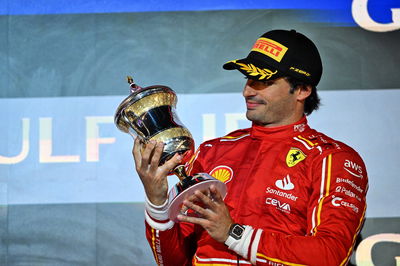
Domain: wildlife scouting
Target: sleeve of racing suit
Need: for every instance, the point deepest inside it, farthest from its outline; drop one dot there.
(171, 243)
(335, 216)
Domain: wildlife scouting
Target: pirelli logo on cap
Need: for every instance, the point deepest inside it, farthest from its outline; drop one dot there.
(271, 48)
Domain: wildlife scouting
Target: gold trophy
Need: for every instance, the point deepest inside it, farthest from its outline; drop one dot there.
(150, 114)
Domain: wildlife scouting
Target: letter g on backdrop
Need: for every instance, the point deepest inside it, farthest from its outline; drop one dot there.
(359, 10)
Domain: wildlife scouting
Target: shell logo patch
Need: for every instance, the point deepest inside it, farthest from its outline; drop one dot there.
(223, 173)
(294, 156)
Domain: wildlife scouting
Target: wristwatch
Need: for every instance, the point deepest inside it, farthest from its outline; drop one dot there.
(236, 231)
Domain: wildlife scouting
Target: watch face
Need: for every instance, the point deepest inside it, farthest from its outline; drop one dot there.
(237, 231)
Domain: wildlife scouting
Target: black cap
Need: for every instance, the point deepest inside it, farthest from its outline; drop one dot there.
(279, 53)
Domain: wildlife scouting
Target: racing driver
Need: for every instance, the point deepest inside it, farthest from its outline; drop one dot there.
(295, 196)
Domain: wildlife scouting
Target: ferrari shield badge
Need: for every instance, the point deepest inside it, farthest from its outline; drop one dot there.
(294, 156)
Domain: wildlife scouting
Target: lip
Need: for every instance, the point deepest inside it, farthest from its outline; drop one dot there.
(252, 105)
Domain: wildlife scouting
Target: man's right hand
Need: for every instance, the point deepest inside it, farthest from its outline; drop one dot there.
(154, 177)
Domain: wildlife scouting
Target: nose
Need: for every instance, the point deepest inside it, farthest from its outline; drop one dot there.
(248, 89)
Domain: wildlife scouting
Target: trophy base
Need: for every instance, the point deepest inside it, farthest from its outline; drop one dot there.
(184, 189)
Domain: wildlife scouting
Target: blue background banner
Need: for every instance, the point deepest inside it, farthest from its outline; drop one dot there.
(379, 10)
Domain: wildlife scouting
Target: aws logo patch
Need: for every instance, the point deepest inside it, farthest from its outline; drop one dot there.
(294, 156)
(222, 173)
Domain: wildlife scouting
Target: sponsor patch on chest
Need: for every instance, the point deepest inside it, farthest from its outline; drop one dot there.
(294, 156)
(280, 205)
(353, 168)
(222, 173)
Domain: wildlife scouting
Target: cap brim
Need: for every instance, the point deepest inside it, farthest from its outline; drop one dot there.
(253, 69)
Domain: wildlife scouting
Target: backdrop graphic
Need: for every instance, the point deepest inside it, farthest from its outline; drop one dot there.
(68, 191)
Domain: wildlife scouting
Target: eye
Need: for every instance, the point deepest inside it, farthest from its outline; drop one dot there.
(268, 82)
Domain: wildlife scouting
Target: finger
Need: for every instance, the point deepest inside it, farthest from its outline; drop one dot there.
(197, 208)
(146, 154)
(155, 159)
(191, 219)
(196, 198)
(171, 163)
(137, 156)
(215, 194)
(184, 209)
(203, 197)
(191, 198)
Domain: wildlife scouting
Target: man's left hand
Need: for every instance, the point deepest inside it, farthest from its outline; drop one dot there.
(212, 213)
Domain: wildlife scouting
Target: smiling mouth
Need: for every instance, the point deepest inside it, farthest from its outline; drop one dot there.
(251, 104)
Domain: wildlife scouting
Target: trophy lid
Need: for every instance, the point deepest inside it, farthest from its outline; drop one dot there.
(149, 113)
(139, 97)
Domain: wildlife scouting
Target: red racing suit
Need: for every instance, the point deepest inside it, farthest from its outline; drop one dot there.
(300, 194)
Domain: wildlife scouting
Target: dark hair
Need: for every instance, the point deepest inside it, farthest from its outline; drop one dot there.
(312, 102)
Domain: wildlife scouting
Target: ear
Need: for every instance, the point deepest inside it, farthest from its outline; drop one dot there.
(303, 92)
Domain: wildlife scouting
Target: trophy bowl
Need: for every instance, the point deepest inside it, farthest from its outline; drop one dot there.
(150, 114)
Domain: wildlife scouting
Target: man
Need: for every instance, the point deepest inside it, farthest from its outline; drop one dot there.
(295, 196)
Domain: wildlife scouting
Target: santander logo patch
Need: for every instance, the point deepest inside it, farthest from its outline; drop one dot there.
(284, 183)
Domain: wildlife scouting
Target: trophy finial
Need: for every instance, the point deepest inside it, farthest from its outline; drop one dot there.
(129, 79)
(133, 87)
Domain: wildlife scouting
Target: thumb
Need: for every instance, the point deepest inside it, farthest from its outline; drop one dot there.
(171, 163)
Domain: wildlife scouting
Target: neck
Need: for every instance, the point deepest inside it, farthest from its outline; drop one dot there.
(287, 121)
(280, 132)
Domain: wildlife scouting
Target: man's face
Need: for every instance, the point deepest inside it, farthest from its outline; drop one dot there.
(270, 103)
